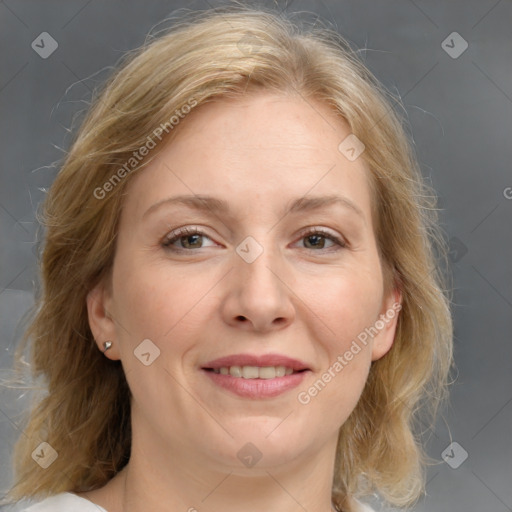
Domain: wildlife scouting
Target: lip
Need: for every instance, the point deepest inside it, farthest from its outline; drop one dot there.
(256, 360)
(257, 388)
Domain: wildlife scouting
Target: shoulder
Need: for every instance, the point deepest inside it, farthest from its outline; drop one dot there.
(64, 502)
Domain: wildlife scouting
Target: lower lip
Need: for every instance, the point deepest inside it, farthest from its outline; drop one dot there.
(257, 388)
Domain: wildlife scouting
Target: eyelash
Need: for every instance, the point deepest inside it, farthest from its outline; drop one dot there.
(183, 232)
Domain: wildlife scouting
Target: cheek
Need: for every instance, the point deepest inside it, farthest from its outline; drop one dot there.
(151, 302)
(347, 308)
(346, 303)
(139, 308)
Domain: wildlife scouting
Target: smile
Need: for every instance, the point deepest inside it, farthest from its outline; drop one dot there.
(254, 372)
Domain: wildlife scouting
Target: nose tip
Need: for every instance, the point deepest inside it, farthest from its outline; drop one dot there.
(257, 298)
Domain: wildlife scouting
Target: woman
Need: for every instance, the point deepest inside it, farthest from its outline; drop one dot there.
(240, 302)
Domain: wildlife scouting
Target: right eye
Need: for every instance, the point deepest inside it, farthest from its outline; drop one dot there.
(187, 239)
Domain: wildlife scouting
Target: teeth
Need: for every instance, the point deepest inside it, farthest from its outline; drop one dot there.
(235, 371)
(255, 372)
(251, 372)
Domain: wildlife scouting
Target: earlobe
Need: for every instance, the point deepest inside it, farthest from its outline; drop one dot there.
(100, 320)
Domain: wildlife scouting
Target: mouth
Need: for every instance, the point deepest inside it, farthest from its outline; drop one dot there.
(256, 377)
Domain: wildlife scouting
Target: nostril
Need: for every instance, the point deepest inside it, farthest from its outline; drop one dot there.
(240, 317)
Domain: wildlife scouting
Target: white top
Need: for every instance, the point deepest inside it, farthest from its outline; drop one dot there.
(64, 502)
(69, 502)
(363, 507)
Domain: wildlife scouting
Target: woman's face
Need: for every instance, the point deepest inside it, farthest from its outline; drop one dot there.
(280, 260)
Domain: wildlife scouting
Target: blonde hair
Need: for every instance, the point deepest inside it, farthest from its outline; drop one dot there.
(229, 52)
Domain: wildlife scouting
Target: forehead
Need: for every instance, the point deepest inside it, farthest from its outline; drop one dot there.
(266, 146)
(265, 121)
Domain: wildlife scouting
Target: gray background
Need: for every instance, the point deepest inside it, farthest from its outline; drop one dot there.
(460, 113)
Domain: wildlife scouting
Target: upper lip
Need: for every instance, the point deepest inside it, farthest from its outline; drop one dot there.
(256, 360)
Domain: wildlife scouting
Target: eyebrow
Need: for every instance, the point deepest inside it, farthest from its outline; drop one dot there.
(219, 206)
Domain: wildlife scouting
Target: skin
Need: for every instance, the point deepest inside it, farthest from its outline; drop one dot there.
(297, 298)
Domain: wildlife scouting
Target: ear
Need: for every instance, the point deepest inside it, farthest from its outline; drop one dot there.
(386, 324)
(101, 322)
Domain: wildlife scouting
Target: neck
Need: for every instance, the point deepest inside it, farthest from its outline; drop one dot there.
(155, 481)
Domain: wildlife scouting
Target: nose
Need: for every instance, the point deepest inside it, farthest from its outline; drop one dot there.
(258, 297)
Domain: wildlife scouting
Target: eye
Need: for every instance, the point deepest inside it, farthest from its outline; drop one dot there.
(185, 238)
(189, 238)
(317, 238)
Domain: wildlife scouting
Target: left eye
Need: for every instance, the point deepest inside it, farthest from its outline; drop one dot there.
(317, 240)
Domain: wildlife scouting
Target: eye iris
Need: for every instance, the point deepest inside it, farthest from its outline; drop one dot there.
(191, 241)
(318, 241)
